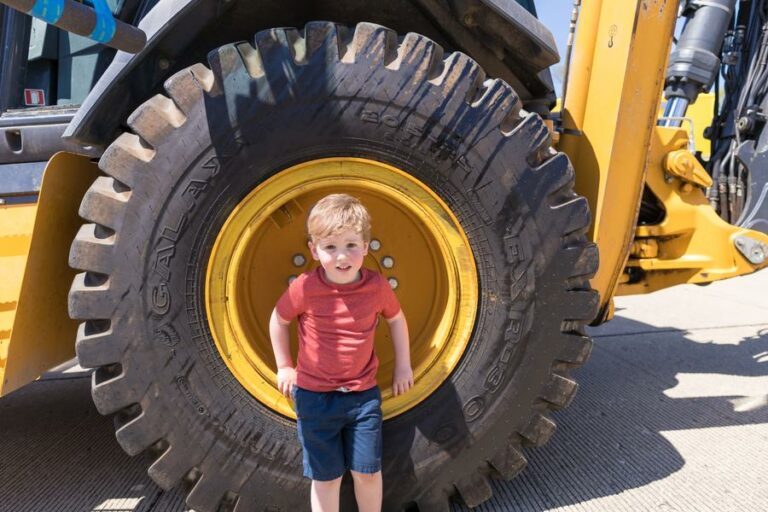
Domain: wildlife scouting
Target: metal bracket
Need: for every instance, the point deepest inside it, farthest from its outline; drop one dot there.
(682, 164)
(754, 251)
(691, 131)
(694, 244)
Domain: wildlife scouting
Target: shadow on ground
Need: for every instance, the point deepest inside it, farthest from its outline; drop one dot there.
(610, 439)
(60, 454)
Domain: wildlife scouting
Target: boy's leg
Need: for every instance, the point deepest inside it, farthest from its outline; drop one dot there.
(319, 428)
(362, 450)
(325, 495)
(368, 491)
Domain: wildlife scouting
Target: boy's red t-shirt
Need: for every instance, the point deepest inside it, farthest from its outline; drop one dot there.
(337, 323)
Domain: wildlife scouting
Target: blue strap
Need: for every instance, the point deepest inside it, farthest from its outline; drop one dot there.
(105, 27)
(48, 10)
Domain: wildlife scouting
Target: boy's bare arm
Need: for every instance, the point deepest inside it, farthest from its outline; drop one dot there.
(402, 380)
(281, 346)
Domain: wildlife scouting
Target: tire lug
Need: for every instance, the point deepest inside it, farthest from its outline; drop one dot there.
(375, 245)
(299, 260)
(291, 278)
(393, 283)
(388, 261)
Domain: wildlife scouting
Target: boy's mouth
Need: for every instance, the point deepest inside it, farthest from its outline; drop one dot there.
(344, 269)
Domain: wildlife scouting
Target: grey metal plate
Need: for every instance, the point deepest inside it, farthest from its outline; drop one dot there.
(21, 179)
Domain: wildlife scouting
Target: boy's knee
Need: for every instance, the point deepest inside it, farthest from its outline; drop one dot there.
(327, 484)
(366, 477)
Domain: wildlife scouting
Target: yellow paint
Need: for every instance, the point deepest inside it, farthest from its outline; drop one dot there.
(253, 257)
(694, 244)
(682, 164)
(35, 330)
(16, 223)
(614, 92)
(644, 248)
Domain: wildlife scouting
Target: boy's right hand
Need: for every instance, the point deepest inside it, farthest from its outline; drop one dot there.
(286, 379)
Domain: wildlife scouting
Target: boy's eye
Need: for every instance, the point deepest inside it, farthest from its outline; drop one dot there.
(351, 245)
(330, 247)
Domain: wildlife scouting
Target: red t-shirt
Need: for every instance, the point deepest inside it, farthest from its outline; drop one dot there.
(337, 323)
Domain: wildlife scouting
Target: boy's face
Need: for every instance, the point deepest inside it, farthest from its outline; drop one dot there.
(341, 255)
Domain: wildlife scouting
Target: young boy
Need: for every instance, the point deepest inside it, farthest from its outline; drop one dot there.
(338, 403)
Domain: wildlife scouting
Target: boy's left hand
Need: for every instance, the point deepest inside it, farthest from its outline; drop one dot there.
(402, 380)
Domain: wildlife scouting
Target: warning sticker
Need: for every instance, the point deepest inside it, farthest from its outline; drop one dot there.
(34, 97)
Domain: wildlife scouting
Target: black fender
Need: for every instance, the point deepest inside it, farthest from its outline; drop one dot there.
(502, 36)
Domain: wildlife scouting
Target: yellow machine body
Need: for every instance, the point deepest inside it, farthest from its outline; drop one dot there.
(692, 244)
(610, 133)
(36, 332)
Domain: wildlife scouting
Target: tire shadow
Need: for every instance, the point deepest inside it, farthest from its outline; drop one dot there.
(611, 438)
(62, 455)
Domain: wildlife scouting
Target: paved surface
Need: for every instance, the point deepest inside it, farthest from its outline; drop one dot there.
(671, 415)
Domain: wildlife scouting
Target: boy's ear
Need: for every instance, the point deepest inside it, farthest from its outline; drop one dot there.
(365, 248)
(313, 250)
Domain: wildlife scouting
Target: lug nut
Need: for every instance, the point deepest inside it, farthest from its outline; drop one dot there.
(388, 261)
(393, 283)
(299, 260)
(291, 279)
(375, 245)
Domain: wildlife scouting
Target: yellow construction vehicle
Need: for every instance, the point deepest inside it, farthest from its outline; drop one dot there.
(154, 198)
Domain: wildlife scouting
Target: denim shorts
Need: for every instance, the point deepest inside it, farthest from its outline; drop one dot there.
(339, 431)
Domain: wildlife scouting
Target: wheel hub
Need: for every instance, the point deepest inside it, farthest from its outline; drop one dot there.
(417, 244)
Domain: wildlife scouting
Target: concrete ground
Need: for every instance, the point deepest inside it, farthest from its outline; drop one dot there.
(671, 415)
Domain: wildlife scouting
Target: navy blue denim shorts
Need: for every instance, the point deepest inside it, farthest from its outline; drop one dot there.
(339, 431)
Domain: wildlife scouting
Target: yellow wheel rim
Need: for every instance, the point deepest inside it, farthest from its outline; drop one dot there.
(417, 244)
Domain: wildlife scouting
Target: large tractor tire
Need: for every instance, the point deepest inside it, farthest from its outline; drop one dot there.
(198, 225)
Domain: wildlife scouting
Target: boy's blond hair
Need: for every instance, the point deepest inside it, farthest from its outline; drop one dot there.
(336, 213)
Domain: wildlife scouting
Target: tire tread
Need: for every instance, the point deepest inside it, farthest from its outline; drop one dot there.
(128, 160)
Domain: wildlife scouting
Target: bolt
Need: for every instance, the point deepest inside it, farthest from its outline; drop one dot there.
(393, 283)
(163, 64)
(299, 260)
(753, 250)
(291, 279)
(686, 165)
(388, 262)
(375, 245)
(758, 254)
(744, 124)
